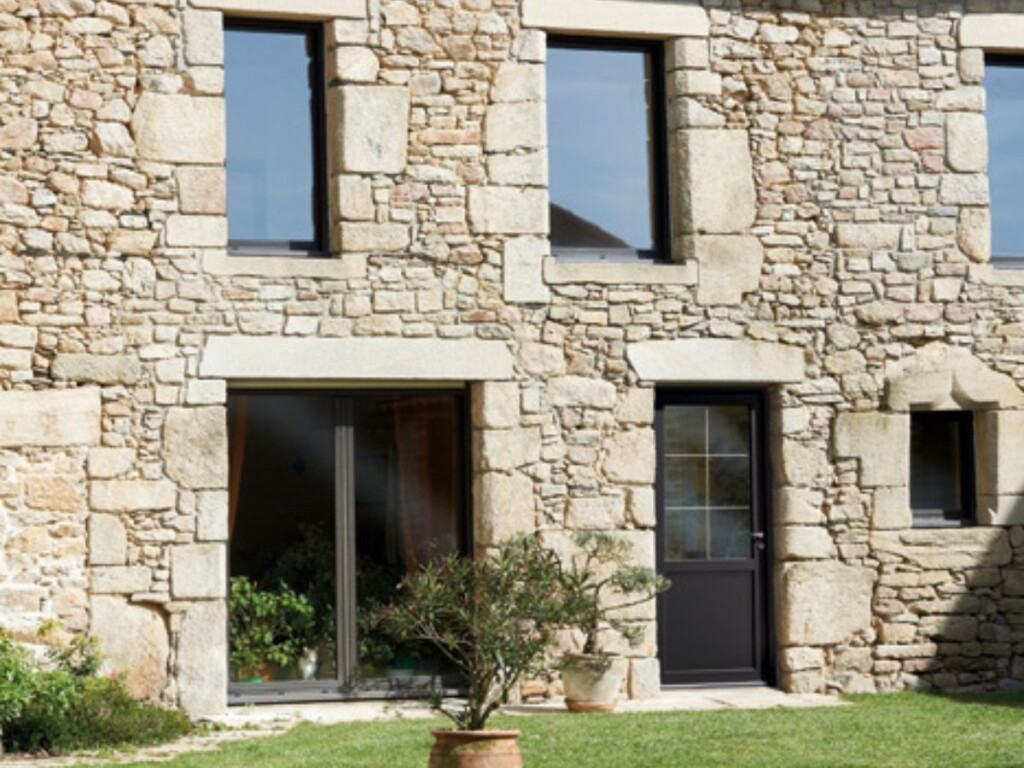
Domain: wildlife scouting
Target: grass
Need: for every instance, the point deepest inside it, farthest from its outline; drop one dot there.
(903, 730)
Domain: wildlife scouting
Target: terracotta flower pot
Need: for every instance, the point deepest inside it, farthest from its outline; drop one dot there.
(475, 749)
(592, 682)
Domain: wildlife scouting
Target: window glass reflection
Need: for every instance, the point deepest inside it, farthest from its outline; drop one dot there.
(270, 90)
(1004, 86)
(599, 126)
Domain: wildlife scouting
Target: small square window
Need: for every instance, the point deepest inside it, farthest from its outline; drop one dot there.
(1004, 88)
(607, 157)
(942, 468)
(276, 185)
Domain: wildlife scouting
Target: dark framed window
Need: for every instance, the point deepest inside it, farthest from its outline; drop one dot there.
(335, 496)
(1004, 88)
(942, 468)
(276, 147)
(607, 149)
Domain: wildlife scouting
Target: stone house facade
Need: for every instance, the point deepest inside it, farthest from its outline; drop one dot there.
(829, 260)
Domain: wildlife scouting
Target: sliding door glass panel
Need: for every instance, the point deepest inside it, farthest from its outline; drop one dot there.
(282, 529)
(408, 511)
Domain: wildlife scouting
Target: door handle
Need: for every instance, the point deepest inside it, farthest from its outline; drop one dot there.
(759, 540)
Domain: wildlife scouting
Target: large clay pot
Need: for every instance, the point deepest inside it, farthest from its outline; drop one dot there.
(592, 682)
(476, 749)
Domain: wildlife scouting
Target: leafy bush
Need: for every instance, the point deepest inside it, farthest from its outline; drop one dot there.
(66, 706)
(598, 585)
(68, 713)
(492, 617)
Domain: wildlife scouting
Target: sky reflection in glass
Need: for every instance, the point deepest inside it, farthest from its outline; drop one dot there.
(1004, 85)
(599, 137)
(270, 158)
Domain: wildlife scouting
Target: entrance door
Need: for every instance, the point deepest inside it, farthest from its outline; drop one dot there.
(711, 538)
(334, 497)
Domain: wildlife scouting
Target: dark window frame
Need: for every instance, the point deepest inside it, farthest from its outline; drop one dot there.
(320, 246)
(1015, 61)
(967, 480)
(661, 228)
(347, 686)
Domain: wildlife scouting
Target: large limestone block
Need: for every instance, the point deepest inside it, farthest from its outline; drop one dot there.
(996, 31)
(892, 509)
(508, 210)
(964, 189)
(97, 369)
(120, 579)
(198, 571)
(212, 516)
(52, 494)
(1001, 510)
(582, 392)
(505, 504)
(376, 359)
(524, 270)
(882, 443)
(516, 82)
(716, 361)
(108, 540)
(974, 233)
(106, 463)
(1000, 453)
(824, 602)
(872, 236)
(966, 142)
(509, 127)
(617, 17)
(50, 418)
(134, 640)
(495, 404)
(204, 37)
(630, 457)
(175, 128)
(803, 542)
(184, 231)
(374, 132)
(374, 237)
(132, 495)
(596, 512)
(718, 195)
(196, 447)
(943, 548)
(730, 266)
(201, 667)
(507, 449)
(943, 377)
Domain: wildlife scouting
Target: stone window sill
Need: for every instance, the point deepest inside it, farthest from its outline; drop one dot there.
(615, 273)
(991, 275)
(337, 268)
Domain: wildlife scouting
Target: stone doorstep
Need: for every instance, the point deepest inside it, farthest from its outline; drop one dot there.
(670, 700)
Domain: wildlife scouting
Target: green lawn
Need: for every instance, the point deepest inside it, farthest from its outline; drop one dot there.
(906, 730)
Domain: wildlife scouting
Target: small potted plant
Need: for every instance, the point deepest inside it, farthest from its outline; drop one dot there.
(599, 585)
(494, 618)
(269, 629)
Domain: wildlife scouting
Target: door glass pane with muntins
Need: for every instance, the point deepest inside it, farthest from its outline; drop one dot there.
(707, 482)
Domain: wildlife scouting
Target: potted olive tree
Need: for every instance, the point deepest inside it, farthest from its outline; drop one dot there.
(599, 585)
(494, 618)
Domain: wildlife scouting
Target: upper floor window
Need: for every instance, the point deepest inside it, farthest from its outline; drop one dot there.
(942, 468)
(1004, 86)
(276, 186)
(606, 137)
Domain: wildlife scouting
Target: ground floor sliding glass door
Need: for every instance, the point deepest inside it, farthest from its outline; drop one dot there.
(333, 497)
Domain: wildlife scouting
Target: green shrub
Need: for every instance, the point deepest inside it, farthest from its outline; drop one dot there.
(68, 713)
(66, 706)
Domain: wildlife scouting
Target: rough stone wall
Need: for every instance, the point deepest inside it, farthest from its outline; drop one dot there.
(867, 159)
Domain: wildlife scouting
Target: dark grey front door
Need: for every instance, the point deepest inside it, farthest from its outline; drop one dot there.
(711, 538)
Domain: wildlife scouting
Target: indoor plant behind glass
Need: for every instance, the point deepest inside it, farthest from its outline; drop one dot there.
(269, 629)
(599, 586)
(494, 618)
